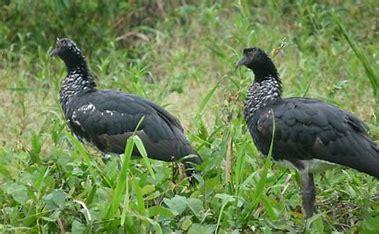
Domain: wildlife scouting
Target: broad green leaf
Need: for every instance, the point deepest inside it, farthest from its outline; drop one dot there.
(186, 224)
(148, 189)
(196, 206)
(77, 227)
(160, 211)
(19, 192)
(55, 199)
(225, 201)
(177, 204)
(316, 224)
(371, 224)
(197, 228)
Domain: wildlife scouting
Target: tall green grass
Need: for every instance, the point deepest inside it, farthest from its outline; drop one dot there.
(371, 75)
(182, 56)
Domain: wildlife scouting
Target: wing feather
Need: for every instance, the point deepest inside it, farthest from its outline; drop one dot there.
(108, 119)
(307, 129)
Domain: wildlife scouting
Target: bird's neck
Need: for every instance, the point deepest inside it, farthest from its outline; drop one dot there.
(77, 82)
(264, 69)
(76, 63)
(265, 90)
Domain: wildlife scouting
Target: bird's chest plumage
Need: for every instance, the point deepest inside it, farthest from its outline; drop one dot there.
(73, 86)
(260, 95)
(73, 89)
(259, 100)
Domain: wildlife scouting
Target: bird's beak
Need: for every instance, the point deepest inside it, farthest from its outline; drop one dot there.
(243, 61)
(54, 52)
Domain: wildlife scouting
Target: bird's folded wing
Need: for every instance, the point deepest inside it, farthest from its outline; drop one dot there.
(108, 119)
(307, 129)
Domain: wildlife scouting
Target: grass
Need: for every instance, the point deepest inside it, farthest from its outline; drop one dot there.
(180, 55)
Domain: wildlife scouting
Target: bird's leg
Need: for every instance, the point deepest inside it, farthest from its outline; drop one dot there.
(308, 193)
(175, 172)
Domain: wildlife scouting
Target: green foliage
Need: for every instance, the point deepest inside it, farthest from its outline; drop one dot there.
(374, 80)
(180, 54)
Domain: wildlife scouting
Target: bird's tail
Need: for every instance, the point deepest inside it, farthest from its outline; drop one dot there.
(369, 161)
(375, 154)
(356, 151)
(366, 156)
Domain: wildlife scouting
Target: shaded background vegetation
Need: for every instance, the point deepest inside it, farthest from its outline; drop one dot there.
(180, 54)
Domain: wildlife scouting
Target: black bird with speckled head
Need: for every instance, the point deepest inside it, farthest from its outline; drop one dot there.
(308, 134)
(107, 118)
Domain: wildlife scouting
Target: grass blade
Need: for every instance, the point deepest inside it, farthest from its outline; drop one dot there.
(225, 202)
(139, 144)
(373, 78)
(121, 183)
(206, 100)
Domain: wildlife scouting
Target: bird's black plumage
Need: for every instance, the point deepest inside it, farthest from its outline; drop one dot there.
(107, 118)
(306, 129)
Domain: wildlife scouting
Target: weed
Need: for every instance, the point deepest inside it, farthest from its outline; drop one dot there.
(180, 54)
